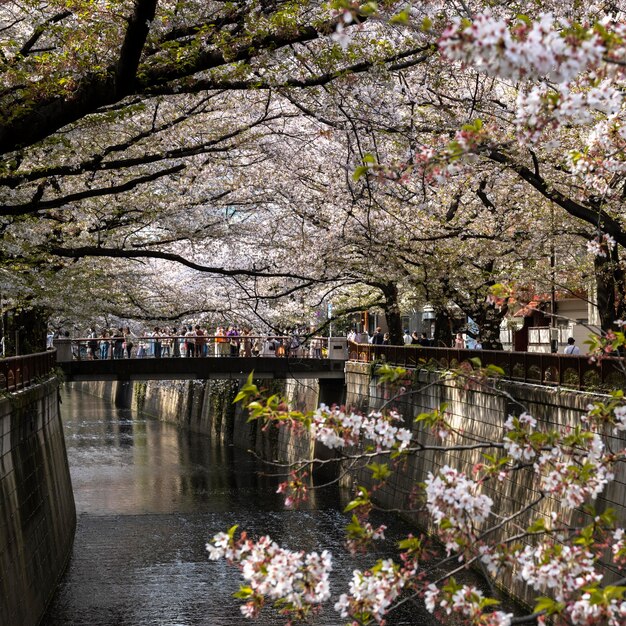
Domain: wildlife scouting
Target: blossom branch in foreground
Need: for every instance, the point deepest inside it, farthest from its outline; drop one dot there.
(549, 554)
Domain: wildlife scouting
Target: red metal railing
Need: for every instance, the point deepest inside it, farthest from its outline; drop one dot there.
(531, 367)
(17, 372)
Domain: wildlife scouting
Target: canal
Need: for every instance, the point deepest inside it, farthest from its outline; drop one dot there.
(149, 496)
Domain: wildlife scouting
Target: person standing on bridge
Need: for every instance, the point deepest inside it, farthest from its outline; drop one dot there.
(316, 348)
(92, 344)
(378, 337)
(233, 339)
(157, 342)
(570, 348)
(129, 341)
(200, 342)
(118, 343)
(221, 343)
(166, 343)
(175, 343)
(247, 342)
(104, 345)
(190, 341)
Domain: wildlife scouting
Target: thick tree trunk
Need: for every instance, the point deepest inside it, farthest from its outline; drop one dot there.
(489, 330)
(488, 318)
(25, 331)
(391, 309)
(610, 289)
(442, 337)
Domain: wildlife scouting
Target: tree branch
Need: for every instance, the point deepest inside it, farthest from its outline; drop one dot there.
(122, 253)
(132, 46)
(34, 206)
(596, 217)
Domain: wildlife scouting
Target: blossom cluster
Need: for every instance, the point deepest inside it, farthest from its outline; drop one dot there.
(618, 549)
(543, 106)
(569, 575)
(373, 591)
(575, 486)
(522, 51)
(579, 87)
(466, 601)
(453, 497)
(295, 488)
(361, 534)
(575, 470)
(620, 418)
(586, 610)
(516, 443)
(560, 568)
(296, 579)
(336, 428)
(601, 245)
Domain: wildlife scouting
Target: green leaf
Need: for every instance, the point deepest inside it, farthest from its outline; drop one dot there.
(248, 390)
(400, 18)
(244, 593)
(380, 471)
(359, 172)
(354, 529)
(495, 370)
(410, 544)
(548, 605)
(539, 525)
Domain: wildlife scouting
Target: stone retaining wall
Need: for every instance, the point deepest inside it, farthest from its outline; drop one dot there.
(37, 512)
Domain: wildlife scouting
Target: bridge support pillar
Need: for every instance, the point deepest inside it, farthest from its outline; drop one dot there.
(332, 391)
(124, 394)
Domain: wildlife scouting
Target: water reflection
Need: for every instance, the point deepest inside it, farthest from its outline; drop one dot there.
(148, 496)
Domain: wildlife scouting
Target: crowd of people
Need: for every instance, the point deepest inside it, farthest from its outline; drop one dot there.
(228, 341)
(193, 341)
(382, 339)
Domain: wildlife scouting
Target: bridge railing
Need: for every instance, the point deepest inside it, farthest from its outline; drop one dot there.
(18, 372)
(566, 370)
(89, 348)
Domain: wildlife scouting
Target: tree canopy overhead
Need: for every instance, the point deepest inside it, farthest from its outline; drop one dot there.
(426, 150)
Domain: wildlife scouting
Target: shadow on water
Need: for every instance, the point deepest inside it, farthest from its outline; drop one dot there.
(149, 496)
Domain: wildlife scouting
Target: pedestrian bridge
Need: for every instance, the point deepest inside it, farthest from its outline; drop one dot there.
(80, 360)
(201, 368)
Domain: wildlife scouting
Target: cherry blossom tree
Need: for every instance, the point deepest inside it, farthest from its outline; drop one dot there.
(135, 128)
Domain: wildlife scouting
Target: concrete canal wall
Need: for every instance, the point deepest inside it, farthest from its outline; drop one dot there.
(207, 407)
(478, 413)
(37, 512)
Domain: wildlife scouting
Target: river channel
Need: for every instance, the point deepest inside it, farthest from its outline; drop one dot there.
(149, 496)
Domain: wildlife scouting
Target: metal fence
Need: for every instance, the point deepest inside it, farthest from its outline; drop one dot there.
(17, 372)
(531, 367)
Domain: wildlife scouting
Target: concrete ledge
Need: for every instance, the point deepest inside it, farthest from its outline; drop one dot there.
(202, 368)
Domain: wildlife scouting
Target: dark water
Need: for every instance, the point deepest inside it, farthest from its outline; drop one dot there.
(149, 496)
